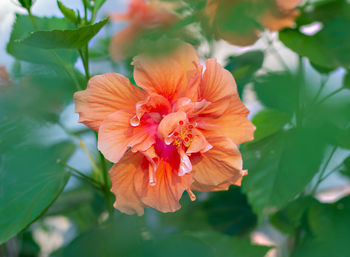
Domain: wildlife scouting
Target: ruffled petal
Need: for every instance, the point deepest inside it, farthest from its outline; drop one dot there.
(169, 75)
(116, 135)
(221, 187)
(122, 177)
(199, 143)
(167, 191)
(191, 108)
(220, 164)
(218, 86)
(233, 123)
(170, 122)
(105, 94)
(153, 103)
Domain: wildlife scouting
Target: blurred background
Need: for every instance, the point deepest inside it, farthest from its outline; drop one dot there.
(292, 71)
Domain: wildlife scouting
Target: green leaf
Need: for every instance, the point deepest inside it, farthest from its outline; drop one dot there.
(31, 179)
(329, 47)
(244, 66)
(278, 91)
(346, 82)
(308, 46)
(346, 169)
(28, 246)
(118, 237)
(231, 246)
(269, 122)
(23, 26)
(40, 93)
(98, 4)
(329, 230)
(229, 212)
(280, 166)
(67, 39)
(26, 3)
(67, 12)
(290, 217)
(128, 236)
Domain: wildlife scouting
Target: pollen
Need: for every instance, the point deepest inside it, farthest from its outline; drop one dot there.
(183, 136)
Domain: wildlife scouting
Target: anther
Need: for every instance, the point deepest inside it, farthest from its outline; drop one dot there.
(186, 139)
(176, 134)
(181, 122)
(190, 126)
(189, 135)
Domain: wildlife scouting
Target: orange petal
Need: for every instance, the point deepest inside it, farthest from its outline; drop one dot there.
(287, 5)
(167, 75)
(169, 123)
(122, 177)
(191, 108)
(199, 143)
(153, 103)
(220, 164)
(233, 123)
(104, 95)
(278, 21)
(166, 193)
(221, 187)
(116, 135)
(217, 87)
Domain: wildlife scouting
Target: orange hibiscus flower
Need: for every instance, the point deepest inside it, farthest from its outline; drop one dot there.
(236, 21)
(179, 133)
(141, 16)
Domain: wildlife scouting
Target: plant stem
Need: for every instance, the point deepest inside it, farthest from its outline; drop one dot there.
(299, 107)
(81, 175)
(323, 84)
(330, 95)
(106, 185)
(323, 170)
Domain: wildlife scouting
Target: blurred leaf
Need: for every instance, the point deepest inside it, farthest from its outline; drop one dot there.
(229, 212)
(40, 93)
(67, 12)
(28, 247)
(278, 91)
(21, 29)
(204, 244)
(346, 169)
(329, 47)
(329, 230)
(280, 166)
(269, 122)
(120, 236)
(71, 39)
(98, 4)
(232, 246)
(290, 217)
(346, 82)
(127, 236)
(244, 66)
(82, 205)
(308, 46)
(100, 49)
(26, 3)
(31, 179)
